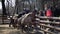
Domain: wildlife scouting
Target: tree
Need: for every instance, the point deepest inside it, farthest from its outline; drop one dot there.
(3, 7)
(3, 10)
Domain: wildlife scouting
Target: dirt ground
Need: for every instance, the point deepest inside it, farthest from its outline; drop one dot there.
(5, 29)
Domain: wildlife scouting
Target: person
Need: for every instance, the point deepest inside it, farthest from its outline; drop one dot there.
(49, 12)
(45, 8)
(41, 13)
(57, 11)
(34, 12)
(21, 13)
(15, 20)
(11, 21)
(27, 10)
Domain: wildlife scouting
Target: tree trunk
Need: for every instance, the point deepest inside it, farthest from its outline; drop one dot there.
(3, 7)
(3, 10)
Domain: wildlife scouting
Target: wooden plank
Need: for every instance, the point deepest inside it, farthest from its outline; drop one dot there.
(47, 31)
(49, 26)
(49, 22)
(44, 17)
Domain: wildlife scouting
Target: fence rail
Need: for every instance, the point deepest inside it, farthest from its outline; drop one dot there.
(54, 18)
(45, 22)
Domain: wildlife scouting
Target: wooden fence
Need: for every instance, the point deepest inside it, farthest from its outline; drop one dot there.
(50, 25)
